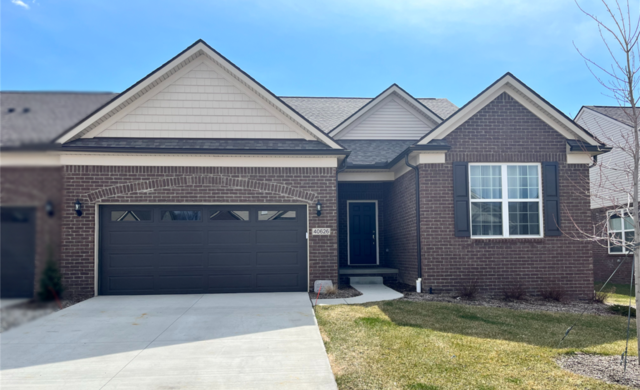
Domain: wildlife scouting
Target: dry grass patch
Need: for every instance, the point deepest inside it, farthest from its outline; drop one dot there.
(432, 345)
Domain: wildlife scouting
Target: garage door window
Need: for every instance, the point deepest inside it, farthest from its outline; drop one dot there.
(277, 215)
(181, 215)
(229, 215)
(131, 215)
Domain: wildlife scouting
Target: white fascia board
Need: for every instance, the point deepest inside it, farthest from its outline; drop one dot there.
(417, 158)
(29, 159)
(241, 76)
(371, 175)
(579, 158)
(391, 90)
(197, 160)
(523, 96)
(56, 159)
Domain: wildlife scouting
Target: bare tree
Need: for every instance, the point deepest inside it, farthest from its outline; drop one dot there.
(616, 180)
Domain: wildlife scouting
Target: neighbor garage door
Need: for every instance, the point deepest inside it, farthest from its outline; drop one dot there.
(202, 249)
(17, 260)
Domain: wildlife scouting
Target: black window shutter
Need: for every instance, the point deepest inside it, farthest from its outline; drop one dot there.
(551, 199)
(461, 199)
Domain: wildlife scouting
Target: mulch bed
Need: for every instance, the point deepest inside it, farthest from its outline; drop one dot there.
(343, 292)
(604, 368)
(16, 315)
(527, 303)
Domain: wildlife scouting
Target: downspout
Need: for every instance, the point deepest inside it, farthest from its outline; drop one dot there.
(341, 168)
(417, 174)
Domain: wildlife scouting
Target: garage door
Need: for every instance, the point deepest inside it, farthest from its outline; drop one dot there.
(18, 229)
(202, 249)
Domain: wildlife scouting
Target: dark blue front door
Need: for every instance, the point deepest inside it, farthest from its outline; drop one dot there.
(362, 233)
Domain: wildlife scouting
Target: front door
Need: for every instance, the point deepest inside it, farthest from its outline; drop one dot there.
(363, 235)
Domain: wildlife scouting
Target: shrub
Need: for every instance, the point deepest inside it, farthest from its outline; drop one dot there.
(514, 291)
(623, 310)
(602, 296)
(51, 280)
(468, 289)
(553, 293)
(329, 290)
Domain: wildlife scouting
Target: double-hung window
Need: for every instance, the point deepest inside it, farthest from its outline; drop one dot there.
(621, 230)
(506, 200)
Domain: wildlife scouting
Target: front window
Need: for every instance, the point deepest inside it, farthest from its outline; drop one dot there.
(505, 200)
(621, 231)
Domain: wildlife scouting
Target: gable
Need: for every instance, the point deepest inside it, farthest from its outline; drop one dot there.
(202, 103)
(515, 89)
(505, 126)
(233, 105)
(391, 119)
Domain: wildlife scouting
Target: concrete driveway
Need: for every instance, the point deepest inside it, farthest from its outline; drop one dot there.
(221, 341)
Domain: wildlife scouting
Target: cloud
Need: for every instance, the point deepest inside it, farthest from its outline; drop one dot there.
(20, 3)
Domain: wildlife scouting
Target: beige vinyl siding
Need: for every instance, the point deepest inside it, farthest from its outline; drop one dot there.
(392, 120)
(200, 104)
(607, 181)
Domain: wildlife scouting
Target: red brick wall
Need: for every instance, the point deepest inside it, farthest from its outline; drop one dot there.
(400, 218)
(33, 187)
(603, 263)
(504, 131)
(361, 191)
(98, 184)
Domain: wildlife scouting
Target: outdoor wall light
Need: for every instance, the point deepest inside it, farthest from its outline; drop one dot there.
(319, 208)
(78, 208)
(48, 207)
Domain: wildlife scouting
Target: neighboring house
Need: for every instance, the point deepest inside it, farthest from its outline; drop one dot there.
(608, 184)
(199, 179)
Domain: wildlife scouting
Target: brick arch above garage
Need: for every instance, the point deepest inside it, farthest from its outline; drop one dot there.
(201, 181)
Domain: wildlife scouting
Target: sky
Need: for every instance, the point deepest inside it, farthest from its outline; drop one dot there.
(350, 48)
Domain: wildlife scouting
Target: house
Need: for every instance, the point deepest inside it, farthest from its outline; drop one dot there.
(609, 187)
(199, 179)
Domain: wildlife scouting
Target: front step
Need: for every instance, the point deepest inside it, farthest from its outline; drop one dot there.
(365, 280)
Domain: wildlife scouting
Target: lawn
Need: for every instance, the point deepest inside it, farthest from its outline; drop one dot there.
(621, 294)
(429, 345)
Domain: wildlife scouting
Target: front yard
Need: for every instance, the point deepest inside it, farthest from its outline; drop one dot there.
(434, 345)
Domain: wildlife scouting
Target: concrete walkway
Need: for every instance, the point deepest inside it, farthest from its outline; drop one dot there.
(8, 302)
(370, 293)
(221, 341)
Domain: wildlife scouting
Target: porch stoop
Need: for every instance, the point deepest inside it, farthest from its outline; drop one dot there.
(379, 274)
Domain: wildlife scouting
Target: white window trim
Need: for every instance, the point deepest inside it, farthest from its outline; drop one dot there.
(621, 213)
(505, 201)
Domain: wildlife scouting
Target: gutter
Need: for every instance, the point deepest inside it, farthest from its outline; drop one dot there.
(419, 249)
(295, 152)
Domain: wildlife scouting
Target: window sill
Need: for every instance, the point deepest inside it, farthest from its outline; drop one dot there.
(503, 240)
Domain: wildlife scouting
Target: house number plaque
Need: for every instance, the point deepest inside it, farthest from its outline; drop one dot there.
(321, 231)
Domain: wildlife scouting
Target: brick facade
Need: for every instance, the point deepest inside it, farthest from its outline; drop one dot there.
(401, 226)
(504, 131)
(94, 185)
(33, 187)
(603, 263)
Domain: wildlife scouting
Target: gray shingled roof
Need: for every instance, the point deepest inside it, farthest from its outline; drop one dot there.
(370, 152)
(47, 115)
(327, 113)
(620, 114)
(187, 143)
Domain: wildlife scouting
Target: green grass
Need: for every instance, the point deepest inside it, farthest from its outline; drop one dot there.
(430, 345)
(621, 294)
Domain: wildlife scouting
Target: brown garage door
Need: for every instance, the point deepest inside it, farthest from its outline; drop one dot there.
(202, 249)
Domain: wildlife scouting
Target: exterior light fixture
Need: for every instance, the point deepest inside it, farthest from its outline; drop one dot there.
(48, 207)
(78, 208)
(319, 208)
